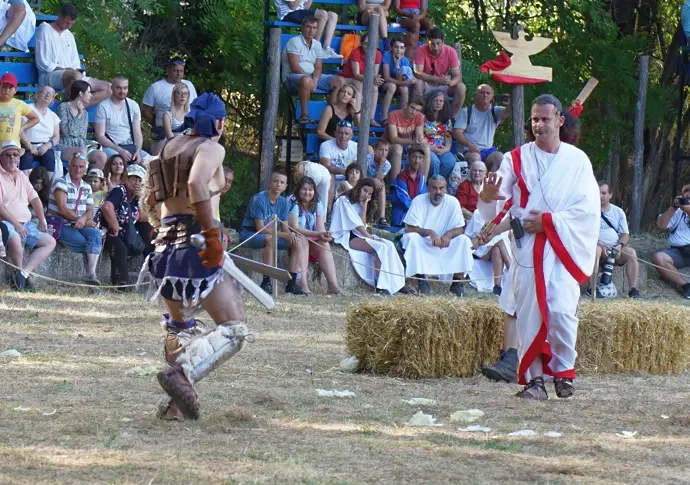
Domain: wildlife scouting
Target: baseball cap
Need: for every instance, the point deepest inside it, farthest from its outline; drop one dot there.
(135, 170)
(96, 172)
(9, 78)
(10, 144)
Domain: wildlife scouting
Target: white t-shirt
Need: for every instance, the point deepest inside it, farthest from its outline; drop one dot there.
(307, 55)
(482, 127)
(159, 96)
(680, 230)
(616, 217)
(54, 50)
(44, 130)
(116, 122)
(339, 158)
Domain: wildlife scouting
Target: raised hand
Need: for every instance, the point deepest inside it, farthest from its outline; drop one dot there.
(492, 188)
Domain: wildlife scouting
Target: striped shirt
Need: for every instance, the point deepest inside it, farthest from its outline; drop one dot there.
(65, 184)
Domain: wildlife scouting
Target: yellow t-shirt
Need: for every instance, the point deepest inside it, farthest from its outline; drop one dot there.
(11, 119)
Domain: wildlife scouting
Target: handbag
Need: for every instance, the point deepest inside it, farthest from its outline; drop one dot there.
(134, 242)
(56, 223)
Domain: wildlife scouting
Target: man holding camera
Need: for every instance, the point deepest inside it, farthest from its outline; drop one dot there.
(614, 238)
(676, 219)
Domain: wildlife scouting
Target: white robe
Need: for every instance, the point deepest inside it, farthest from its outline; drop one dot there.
(421, 257)
(482, 274)
(20, 39)
(549, 266)
(345, 219)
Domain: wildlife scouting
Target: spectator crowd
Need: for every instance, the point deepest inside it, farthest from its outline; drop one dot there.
(429, 162)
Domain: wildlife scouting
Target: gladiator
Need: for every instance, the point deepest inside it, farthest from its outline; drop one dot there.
(184, 188)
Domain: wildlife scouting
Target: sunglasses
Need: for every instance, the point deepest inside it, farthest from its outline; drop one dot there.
(79, 155)
(346, 124)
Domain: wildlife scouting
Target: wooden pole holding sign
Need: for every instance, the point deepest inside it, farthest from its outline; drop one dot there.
(518, 103)
(268, 133)
(367, 105)
(638, 143)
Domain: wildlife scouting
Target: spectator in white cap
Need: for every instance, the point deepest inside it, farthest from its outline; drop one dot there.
(16, 194)
(120, 214)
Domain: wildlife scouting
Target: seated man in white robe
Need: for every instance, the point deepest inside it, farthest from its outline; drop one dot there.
(375, 259)
(434, 239)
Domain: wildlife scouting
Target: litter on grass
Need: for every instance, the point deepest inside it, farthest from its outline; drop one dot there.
(10, 353)
(421, 419)
(334, 393)
(421, 401)
(467, 416)
(523, 432)
(626, 434)
(552, 434)
(349, 364)
(475, 428)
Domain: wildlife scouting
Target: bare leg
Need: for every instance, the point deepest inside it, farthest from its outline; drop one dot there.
(362, 245)
(304, 264)
(304, 93)
(497, 264)
(15, 250)
(327, 264)
(404, 92)
(426, 164)
(98, 158)
(383, 21)
(493, 161)
(295, 255)
(381, 193)
(101, 91)
(329, 29)
(458, 98)
(374, 101)
(504, 253)
(632, 266)
(321, 19)
(43, 248)
(510, 339)
(395, 155)
(268, 251)
(389, 92)
(358, 95)
(331, 194)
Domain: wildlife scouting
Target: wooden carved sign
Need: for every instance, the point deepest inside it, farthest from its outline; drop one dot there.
(518, 68)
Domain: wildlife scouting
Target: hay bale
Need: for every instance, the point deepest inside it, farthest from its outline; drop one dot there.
(437, 337)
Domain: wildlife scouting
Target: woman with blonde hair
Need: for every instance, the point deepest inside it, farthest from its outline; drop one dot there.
(173, 120)
(343, 108)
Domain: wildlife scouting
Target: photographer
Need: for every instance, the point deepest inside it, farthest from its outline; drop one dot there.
(614, 238)
(676, 220)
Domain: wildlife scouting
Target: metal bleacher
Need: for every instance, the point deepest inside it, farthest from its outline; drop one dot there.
(307, 132)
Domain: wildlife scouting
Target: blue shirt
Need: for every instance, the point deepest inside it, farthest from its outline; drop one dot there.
(388, 59)
(261, 208)
(307, 219)
(373, 169)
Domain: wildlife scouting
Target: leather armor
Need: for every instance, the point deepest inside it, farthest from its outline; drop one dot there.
(169, 174)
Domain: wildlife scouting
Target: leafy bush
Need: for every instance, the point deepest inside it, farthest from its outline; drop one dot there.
(233, 204)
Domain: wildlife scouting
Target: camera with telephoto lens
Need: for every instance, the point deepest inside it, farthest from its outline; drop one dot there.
(607, 273)
(683, 201)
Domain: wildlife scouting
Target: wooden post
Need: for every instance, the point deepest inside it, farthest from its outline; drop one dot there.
(268, 133)
(518, 103)
(274, 234)
(638, 143)
(369, 76)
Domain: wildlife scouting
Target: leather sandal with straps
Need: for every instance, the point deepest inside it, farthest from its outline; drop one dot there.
(534, 390)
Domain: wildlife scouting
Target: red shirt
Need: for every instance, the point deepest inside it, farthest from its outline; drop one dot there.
(412, 184)
(358, 55)
(406, 127)
(436, 66)
(467, 196)
(410, 4)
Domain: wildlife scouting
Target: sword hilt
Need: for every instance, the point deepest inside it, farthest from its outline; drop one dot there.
(198, 241)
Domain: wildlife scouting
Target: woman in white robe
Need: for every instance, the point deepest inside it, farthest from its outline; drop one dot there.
(375, 259)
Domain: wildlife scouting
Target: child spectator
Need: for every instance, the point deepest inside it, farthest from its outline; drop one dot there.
(354, 72)
(96, 180)
(307, 216)
(343, 108)
(40, 181)
(413, 17)
(352, 176)
(380, 7)
(398, 76)
(437, 129)
(408, 184)
(378, 167)
(12, 111)
(114, 172)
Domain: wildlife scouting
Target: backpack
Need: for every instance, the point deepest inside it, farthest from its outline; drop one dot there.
(469, 114)
(349, 43)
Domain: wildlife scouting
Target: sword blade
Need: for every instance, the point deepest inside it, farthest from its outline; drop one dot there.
(251, 265)
(255, 290)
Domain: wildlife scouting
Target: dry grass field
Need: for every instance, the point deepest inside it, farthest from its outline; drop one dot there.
(70, 413)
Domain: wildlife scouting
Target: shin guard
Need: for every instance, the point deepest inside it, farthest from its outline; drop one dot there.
(204, 353)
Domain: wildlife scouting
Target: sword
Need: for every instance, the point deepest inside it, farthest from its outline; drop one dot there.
(229, 266)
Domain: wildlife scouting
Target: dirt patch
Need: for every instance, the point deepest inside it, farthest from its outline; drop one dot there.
(70, 413)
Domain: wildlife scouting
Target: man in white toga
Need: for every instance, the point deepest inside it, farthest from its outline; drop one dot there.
(556, 198)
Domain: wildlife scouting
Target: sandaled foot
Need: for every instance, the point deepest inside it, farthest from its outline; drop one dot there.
(303, 120)
(374, 124)
(383, 222)
(167, 411)
(534, 390)
(336, 291)
(177, 386)
(564, 387)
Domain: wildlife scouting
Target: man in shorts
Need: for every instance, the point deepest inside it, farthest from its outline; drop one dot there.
(302, 67)
(16, 194)
(57, 58)
(677, 220)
